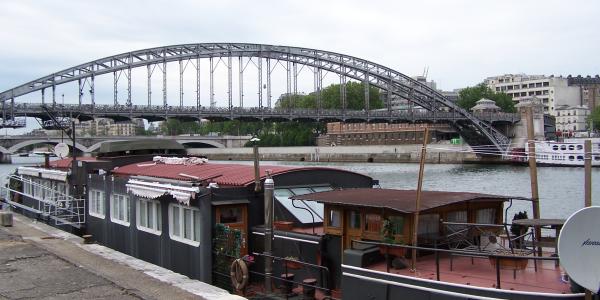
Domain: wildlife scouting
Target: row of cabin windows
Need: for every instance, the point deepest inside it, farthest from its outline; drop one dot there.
(184, 222)
(428, 223)
(45, 189)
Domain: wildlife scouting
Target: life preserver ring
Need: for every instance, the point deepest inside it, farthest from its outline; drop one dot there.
(239, 274)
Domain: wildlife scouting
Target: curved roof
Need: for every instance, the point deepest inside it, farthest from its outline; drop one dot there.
(222, 174)
(398, 200)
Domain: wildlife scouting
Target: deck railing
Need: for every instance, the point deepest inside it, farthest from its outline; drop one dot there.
(437, 251)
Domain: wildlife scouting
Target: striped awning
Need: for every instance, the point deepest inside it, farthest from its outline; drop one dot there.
(153, 190)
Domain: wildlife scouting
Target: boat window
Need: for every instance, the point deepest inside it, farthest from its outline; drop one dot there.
(486, 216)
(571, 147)
(459, 216)
(596, 157)
(149, 216)
(563, 147)
(373, 222)
(580, 157)
(184, 224)
(429, 224)
(353, 219)
(231, 215)
(571, 157)
(579, 147)
(308, 209)
(335, 218)
(119, 209)
(96, 203)
(555, 147)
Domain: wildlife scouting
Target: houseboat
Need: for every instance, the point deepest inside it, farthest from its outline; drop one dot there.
(568, 153)
(333, 232)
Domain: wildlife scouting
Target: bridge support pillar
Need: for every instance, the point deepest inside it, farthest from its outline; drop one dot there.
(5, 158)
(520, 130)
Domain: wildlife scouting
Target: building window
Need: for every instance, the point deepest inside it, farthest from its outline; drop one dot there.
(429, 224)
(119, 209)
(335, 218)
(397, 224)
(149, 216)
(184, 224)
(96, 203)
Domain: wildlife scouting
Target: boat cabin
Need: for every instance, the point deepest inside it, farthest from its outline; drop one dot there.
(387, 215)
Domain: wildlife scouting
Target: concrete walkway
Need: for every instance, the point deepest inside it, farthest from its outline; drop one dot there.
(41, 262)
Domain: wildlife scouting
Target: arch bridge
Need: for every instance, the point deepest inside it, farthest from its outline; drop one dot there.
(474, 129)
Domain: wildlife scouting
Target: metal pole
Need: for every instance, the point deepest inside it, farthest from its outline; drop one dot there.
(241, 80)
(212, 82)
(260, 102)
(128, 87)
(198, 83)
(533, 172)
(268, 82)
(164, 71)
(92, 93)
(115, 88)
(230, 81)
(256, 167)
(53, 95)
(80, 89)
(44, 96)
(180, 83)
(587, 148)
(149, 86)
(418, 201)
(269, 187)
(366, 86)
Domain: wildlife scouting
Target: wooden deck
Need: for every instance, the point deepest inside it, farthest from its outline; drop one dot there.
(478, 271)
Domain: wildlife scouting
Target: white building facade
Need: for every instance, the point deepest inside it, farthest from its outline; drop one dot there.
(572, 118)
(553, 92)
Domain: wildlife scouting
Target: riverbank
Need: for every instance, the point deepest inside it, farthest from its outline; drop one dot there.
(436, 153)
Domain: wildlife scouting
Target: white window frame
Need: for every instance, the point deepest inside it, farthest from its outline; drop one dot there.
(97, 197)
(114, 214)
(152, 207)
(180, 237)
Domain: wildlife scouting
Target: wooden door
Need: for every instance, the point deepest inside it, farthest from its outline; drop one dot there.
(236, 217)
(352, 227)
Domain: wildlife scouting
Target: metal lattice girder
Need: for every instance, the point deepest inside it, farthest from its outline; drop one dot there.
(355, 68)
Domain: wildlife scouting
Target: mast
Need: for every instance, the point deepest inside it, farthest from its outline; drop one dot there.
(418, 201)
(535, 198)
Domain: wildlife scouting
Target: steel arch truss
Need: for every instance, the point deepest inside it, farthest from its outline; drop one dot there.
(359, 69)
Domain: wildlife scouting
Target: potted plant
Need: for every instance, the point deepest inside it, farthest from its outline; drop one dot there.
(389, 237)
(292, 262)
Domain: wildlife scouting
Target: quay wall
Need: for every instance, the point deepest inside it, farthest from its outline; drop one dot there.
(436, 153)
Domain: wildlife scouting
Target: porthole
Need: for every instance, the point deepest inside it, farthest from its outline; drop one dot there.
(571, 147)
(580, 157)
(555, 147)
(596, 157)
(571, 157)
(563, 147)
(579, 147)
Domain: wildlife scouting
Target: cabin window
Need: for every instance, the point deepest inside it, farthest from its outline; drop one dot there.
(96, 203)
(27, 188)
(571, 147)
(184, 224)
(373, 222)
(580, 157)
(354, 219)
(579, 147)
(459, 216)
(149, 216)
(429, 224)
(563, 147)
(555, 147)
(335, 218)
(486, 216)
(119, 209)
(231, 215)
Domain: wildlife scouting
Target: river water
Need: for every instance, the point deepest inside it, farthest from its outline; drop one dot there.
(561, 189)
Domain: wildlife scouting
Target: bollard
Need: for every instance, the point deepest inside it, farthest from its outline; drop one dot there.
(6, 218)
(308, 289)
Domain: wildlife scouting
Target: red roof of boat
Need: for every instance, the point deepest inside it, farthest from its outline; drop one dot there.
(65, 163)
(399, 200)
(222, 174)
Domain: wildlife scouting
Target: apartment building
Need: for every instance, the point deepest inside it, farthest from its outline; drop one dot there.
(553, 91)
(572, 118)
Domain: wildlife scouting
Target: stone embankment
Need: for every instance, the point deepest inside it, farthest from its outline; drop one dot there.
(436, 153)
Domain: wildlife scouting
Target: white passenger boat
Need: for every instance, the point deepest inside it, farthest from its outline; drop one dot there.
(567, 153)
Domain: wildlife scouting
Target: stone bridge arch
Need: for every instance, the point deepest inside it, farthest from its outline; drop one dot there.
(214, 144)
(15, 148)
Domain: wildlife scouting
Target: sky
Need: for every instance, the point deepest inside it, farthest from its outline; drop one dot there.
(460, 42)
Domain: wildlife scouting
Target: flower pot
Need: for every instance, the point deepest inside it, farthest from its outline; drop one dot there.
(510, 263)
(294, 265)
(396, 251)
(283, 225)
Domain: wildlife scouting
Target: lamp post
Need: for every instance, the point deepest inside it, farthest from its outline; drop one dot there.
(255, 141)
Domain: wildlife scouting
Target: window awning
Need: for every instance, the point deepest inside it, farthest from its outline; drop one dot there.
(43, 173)
(152, 190)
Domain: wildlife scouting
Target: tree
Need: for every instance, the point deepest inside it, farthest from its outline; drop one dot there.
(594, 118)
(331, 98)
(470, 95)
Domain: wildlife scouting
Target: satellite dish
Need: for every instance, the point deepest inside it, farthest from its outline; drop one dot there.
(61, 150)
(579, 247)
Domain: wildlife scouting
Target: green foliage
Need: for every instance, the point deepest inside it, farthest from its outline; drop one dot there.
(331, 99)
(468, 96)
(595, 118)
